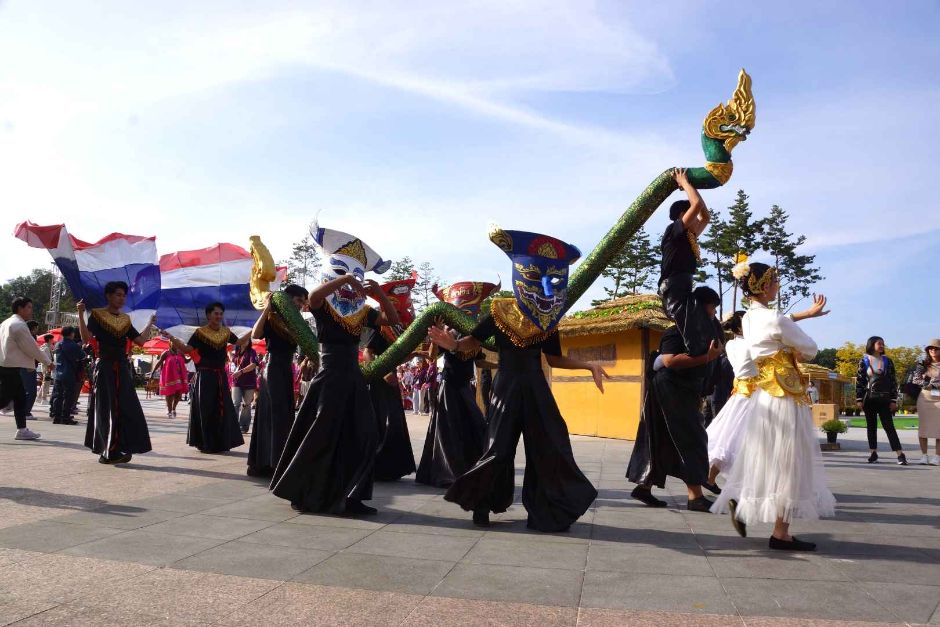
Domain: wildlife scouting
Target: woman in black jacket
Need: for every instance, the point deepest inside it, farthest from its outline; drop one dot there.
(876, 391)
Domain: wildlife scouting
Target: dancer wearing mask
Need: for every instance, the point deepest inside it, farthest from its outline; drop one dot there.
(327, 464)
(778, 473)
(394, 457)
(555, 492)
(274, 412)
(457, 428)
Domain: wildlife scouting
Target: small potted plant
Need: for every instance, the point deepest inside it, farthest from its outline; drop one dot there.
(833, 428)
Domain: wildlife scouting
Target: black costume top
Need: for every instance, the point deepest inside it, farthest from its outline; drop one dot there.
(677, 254)
(278, 339)
(112, 332)
(213, 350)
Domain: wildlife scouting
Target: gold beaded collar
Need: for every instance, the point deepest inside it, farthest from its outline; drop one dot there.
(352, 324)
(521, 331)
(115, 324)
(217, 339)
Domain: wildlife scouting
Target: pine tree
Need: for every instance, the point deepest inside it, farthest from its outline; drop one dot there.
(633, 269)
(401, 270)
(741, 234)
(796, 272)
(422, 296)
(304, 263)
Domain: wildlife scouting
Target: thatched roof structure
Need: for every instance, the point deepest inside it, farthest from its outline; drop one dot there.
(817, 373)
(641, 311)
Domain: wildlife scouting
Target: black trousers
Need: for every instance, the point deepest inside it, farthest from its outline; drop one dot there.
(11, 389)
(879, 408)
(63, 391)
(690, 318)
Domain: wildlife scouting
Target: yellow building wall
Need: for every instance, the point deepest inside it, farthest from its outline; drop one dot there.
(616, 412)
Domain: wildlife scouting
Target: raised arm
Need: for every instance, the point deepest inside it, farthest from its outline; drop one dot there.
(141, 339)
(315, 299)
(696, 217)
(82, 327)
(389, 315)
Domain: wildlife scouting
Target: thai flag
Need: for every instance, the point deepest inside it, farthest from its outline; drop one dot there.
(194, 278)
(87, 267)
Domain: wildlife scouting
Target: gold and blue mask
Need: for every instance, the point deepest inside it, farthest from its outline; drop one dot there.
(539, 273)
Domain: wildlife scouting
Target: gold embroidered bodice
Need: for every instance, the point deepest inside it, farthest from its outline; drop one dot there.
(117, 325)
(778, 376)
(509, 319)
(216, 338)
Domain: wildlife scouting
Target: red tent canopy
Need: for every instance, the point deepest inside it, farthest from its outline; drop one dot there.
(55, 333)
(156, 346)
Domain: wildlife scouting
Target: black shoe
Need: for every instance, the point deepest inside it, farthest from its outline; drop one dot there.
(792, 545)
(481, 518)
(646, 497)
(69, 422)
(902, 460)
(712, 487)
(738, 525)
(873, 458)
(358, 508)
(121, 459)
(296, 507)
(701, 504)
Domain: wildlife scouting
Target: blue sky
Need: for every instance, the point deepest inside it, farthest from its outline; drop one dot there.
(416, 124)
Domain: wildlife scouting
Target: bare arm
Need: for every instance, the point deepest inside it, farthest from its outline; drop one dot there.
(82, 327)
(817, 310)
(315, 299)
(445, 340)
(141, 339)
(567, 363)
(683, 361)
(389, 315)
(696, 217)
(257, 331)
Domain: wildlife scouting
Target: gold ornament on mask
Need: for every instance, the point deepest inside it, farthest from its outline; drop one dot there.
(501, 238)
(354, 250)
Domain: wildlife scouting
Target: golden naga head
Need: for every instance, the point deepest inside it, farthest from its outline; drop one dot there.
(731, 123)
(263, 271)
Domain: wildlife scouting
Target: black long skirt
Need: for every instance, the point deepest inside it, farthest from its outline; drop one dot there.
(116, 422)
(274, 415)
(456, 435)
(394, 457)
(213, 423)
(671, 439)
(555, 492)
(330, 452)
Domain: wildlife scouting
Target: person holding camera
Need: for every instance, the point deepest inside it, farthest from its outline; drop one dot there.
(876, 392)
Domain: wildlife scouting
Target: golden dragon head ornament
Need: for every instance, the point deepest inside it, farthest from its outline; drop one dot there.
(732, 122)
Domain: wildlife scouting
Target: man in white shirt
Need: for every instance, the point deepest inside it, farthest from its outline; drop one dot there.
(46, 348)
(18, 352)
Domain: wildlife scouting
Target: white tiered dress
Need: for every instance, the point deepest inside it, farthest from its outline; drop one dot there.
(727, 429)
(778, 469)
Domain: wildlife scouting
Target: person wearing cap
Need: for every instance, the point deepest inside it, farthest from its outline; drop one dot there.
(927, 376)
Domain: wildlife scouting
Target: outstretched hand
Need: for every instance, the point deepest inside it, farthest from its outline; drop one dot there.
(682, 178)
(442, 338)
(80, 306)
(818, 309)
(599, 375)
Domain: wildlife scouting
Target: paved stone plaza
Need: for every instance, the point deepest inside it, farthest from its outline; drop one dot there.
(177, 537)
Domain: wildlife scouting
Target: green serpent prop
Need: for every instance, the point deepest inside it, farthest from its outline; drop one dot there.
(724, 127)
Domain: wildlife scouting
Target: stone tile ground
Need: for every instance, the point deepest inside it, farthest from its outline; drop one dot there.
(177, 537)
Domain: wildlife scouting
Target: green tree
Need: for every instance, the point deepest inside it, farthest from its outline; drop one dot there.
(826, 358)
(904, 358)
(633, 269)
(796, 272)
(422, 296)
(847, 358)
(401, 269)
(304, 262)
(37, 285)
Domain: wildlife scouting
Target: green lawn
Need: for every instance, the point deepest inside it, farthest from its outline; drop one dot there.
(901, 422)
